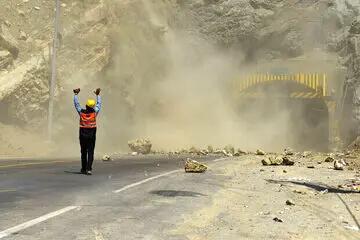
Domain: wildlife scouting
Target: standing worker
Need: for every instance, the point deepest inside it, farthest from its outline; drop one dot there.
(87, 132)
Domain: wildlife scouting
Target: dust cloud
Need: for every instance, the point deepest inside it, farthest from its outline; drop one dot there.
(176, 88)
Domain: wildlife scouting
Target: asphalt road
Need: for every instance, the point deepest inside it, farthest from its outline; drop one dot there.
(139, 197)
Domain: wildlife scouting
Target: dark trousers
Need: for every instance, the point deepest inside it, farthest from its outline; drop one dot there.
(87, 144)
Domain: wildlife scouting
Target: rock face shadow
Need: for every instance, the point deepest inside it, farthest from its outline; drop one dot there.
(174, 193)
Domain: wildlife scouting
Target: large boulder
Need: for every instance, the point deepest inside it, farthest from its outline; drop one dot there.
(194, 166)
(142, 146)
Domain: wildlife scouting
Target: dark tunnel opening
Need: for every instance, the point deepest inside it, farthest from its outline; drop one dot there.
(301, 123)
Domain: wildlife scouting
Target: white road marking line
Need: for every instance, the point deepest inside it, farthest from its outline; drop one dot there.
(35, 221)
(145, 181)
(43, 218)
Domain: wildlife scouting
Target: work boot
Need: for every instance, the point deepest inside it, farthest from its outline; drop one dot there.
(88, 173)
(82, 171)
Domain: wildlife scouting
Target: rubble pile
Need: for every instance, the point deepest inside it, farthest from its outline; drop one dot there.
(140, 145)
(260, 152)
(277, 161)
(192, 166)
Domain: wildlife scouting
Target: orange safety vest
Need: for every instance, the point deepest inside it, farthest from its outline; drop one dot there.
(88, 120)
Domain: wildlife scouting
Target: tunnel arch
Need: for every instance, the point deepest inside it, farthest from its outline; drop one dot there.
(305, 96)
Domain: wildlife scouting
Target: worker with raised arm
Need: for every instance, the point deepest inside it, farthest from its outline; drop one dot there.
(87, 132)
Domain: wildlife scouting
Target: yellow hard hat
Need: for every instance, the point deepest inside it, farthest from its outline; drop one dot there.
(90, 103)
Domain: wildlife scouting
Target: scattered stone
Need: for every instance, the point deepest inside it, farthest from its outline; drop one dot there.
(338, 165)
(288, 152)
(262, 170)
(134, 153)
(307, 154)
(276, 219)
(106, 158)
(194, 166)
(37, 8)
(329, 159)
(311, 166)
(63, 5)
(319, 162)
(290, 202)
(287, 161)
(278, 160)
(260, 152)
(324, 191)
(239, 152)
(284, 171)
(203, 152)
(342, 161)
(266, 162)
(142, 146)
(218, 151)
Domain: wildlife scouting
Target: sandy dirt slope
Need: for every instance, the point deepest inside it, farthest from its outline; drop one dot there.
(256, 194)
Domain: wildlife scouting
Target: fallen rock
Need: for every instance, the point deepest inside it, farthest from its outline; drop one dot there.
(288, 152)
(311, 166)
(290, 202)
(142, 146)
(266, 162)
(287, 161)
(134, 153)
(329, 159)
(239, 152)
(273, 161)
(260, 152)
(204, 152)
(276, 219)
(342, 161)
(106, 158)
(338, 165)
(194, 166)
(277, 161)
